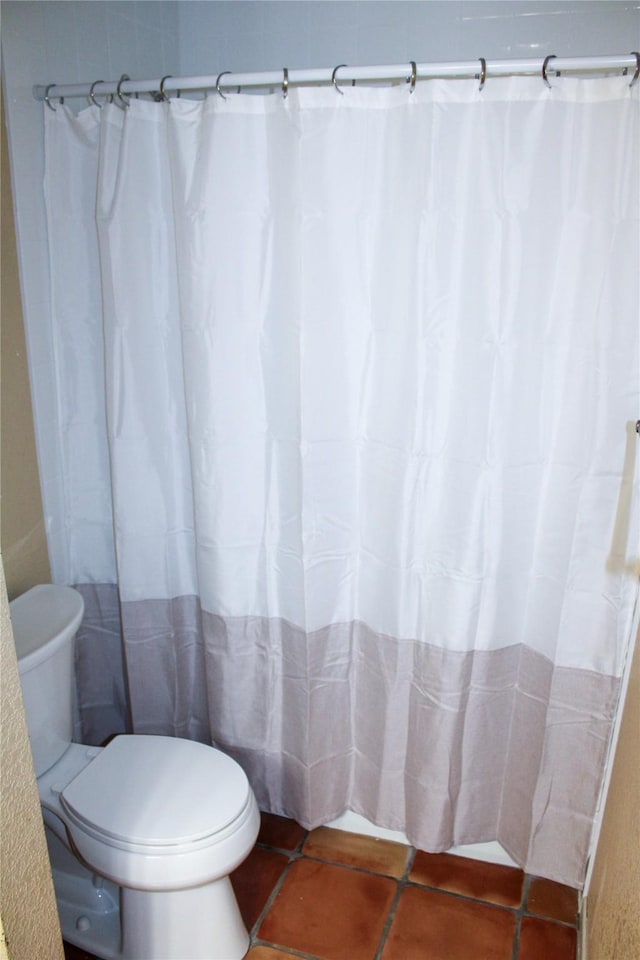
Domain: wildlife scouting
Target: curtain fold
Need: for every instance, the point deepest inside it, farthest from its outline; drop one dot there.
(370, 363)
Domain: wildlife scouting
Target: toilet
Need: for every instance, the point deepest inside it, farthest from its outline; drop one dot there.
(142, 833)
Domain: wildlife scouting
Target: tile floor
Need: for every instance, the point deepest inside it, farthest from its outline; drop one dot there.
(330, 895)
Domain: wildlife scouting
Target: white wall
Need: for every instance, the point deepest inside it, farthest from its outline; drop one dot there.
(257, 35)
(43, 42)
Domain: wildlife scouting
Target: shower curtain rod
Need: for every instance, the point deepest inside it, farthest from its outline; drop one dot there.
(480, 68)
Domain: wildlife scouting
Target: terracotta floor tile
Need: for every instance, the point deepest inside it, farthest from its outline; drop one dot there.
(441, 927)
(552, 900)
(254, 880)
(491, 882)
(550, 941)
(280, 832)
(330, 912)
(355, 850)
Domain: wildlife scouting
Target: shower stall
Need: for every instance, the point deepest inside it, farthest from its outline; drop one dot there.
(346, 377)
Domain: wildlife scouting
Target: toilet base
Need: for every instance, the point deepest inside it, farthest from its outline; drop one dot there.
(201, 923)
(88, 905)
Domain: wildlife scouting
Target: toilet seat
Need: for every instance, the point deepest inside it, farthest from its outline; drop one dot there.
(160, 813)
(158, 792)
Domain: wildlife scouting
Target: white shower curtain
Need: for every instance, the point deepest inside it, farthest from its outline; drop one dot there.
(347, 425)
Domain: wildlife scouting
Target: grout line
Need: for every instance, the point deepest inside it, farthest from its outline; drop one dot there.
(573, 925)
(519, 915)
(390, 918)
(462, 896)
(285, 949)
(402, 883)
(353, 867)
(293, 857)
(283, 850)
(408, 866)
(552, 920)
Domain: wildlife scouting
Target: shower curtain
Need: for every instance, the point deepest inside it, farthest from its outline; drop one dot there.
(346, 387)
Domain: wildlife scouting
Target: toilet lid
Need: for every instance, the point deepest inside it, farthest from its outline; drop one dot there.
(157, 791)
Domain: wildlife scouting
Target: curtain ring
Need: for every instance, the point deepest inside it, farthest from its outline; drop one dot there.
(125, 103)
(545, 65)
(163, 95)
(47, 100)
(414, 76)
(334, 81)
(634, 53)
(220, 93)
(285, 83)
(483, 73)
(91, 96)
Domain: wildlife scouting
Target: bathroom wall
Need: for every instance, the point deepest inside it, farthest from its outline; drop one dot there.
(260, 36)
(22, 531)
(613, 903)
(27, 904)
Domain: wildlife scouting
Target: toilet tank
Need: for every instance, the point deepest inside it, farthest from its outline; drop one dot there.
(45, 620)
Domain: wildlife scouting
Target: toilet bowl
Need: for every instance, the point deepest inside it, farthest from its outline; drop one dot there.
(144, 832)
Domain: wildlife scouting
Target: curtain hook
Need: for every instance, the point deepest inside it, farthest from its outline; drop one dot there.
(125, 103)
(163, 95)
(285, 83)
(634, 53)
(47, 100)
(482, 76)
(220, 93)
(545, 66)
(414, 76)
(91, 96)
(333, 78)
